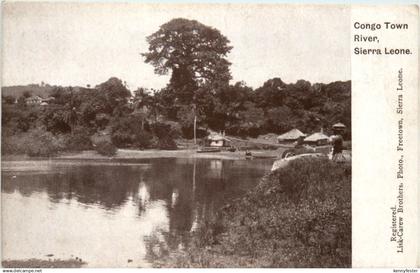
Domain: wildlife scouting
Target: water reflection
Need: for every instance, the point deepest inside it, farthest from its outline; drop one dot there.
(124, 214)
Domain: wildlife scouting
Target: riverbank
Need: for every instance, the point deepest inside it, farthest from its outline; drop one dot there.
(187, 153)
(297, 216)
(146, 154)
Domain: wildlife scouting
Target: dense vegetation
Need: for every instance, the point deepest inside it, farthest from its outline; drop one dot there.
(298, 216)
(75, 116)
(199, 89)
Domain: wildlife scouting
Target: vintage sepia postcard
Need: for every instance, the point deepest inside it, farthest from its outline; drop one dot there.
(166, 135)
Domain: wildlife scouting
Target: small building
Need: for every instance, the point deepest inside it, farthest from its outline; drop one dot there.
(48, 100)
(130, 100)
(33, 100)
(217, 140)
(291, 136)
(317, 139)
(339, 128)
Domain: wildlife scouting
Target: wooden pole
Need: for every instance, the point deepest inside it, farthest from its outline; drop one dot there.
(195, 129)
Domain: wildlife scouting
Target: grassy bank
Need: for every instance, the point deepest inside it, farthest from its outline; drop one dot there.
(298, 216)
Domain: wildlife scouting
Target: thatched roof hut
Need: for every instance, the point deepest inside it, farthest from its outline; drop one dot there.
(291, 136)
(317, 138)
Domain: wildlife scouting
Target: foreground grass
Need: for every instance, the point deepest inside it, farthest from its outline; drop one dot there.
(37, 263)
(298, 216)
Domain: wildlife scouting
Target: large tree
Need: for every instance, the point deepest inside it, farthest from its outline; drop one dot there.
(194, 53)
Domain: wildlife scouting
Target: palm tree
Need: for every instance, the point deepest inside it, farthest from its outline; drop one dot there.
(70, 118)
(70, 114)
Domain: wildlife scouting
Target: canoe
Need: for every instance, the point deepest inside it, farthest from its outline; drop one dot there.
(265, 156)
(209, 151)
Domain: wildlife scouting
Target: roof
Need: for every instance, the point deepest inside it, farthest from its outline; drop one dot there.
(216, 137)
(316, 136)
(34, 98)
(49, 99)
(292, 134)
(339, 125)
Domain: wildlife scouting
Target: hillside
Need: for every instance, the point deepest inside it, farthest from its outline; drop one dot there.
(18, 90)
(34, 89)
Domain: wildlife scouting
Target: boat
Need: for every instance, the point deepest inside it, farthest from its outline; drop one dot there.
(209, 150)
(265, 156)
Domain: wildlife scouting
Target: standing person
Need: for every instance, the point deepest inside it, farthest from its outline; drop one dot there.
(337, 155)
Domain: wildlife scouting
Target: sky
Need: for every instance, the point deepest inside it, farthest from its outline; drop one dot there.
(87, 43)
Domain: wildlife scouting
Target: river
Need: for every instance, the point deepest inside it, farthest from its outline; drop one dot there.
(125, 213)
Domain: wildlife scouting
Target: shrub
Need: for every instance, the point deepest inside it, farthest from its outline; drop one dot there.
(18, 119)
(8, 146)
(78, 141)
(35, 142)
(166, 144)
(106, 148)
(53, 119)
(122, 139)
(128, 132)
(102, 120)
(143, 139)
(166, 134)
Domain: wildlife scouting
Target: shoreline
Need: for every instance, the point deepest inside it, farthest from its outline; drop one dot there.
(150, 154)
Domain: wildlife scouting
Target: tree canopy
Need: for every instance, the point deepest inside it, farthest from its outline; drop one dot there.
(193, 52)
